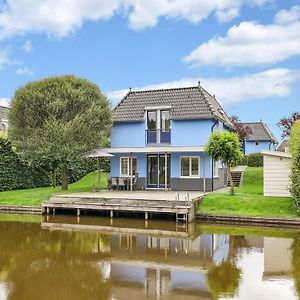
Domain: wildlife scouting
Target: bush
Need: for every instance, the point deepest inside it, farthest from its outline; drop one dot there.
(17, 173)
(252, 160)
(294, 147)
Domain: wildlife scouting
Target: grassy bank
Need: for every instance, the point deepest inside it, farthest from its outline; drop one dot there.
(248, 200)
(37, 195)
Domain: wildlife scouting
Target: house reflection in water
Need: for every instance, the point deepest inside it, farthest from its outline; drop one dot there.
(277, 257)
(160, 267)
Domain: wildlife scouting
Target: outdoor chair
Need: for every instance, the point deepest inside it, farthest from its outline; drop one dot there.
(134, 181)
(122, 184)
(113, 183)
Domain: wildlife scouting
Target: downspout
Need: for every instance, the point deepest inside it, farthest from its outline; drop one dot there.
(212, 161)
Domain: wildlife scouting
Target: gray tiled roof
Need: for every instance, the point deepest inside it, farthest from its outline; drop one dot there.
(4, 113)
(185, 103)
(260, 132)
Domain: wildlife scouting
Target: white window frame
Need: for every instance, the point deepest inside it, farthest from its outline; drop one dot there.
(190, 167)
(128, 165)
(216, 168)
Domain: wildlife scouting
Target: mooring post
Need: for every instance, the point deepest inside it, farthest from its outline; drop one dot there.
(78, 212)
(111, 214)
(48, 210)
(146, 215)
(53, 211)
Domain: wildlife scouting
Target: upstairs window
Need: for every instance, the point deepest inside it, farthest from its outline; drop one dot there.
(158, 126)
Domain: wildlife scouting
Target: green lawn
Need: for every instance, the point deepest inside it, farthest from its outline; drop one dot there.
(248, 200)
(37, 195)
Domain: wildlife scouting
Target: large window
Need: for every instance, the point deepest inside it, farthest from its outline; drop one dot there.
(189, 166)
(125, 166)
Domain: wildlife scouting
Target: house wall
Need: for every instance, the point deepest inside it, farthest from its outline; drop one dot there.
(183, 133)
(251, 147)
(276, 176)
(131, 134)
(190, 132)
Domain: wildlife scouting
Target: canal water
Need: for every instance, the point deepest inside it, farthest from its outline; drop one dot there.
(93, 258)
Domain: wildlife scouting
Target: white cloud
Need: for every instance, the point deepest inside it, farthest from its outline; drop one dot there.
(4, 57)
(251, 43)
(4, 102)
(27, 47)
(62, 17)
(229, 91)
(24, 71)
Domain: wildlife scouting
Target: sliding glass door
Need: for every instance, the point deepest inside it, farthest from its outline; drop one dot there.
(157, 167)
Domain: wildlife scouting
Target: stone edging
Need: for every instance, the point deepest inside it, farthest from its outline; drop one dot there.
(234, 219)
(21, 209)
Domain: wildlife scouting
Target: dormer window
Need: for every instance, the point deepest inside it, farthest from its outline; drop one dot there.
(158, 126)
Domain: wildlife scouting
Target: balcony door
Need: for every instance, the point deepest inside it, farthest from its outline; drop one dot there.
(158, 127)
(156, 168)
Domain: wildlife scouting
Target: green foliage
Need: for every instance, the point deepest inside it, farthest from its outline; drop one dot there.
(224, 146)
(296, 262)
(253, 160)
(223, 279)
(17, 173)
(59, 118)
(294, 147)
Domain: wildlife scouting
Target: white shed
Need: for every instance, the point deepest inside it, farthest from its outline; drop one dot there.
(277, 169)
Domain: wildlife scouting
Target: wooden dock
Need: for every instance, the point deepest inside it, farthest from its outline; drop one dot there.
(183, 205)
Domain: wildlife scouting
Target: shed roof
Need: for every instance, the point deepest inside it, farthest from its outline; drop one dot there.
(184, 102)
(260, 132)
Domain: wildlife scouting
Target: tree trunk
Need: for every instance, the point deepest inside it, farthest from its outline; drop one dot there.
(53, 177)
(230, 179)
(64, 176)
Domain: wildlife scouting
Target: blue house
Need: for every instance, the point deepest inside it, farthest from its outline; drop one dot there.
(161, 136)
(260, 139)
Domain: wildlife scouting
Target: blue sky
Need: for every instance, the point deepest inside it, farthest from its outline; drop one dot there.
(246, 52)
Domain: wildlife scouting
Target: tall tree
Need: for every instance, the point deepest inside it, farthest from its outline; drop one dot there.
(286, 123)
(225, 146)
(59, 118)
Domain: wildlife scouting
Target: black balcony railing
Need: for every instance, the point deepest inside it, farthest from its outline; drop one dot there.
(158, 136)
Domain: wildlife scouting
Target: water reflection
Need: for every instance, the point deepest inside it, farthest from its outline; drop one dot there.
(66, 258)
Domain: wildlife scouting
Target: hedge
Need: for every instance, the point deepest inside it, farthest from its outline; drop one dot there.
(252, 160)
(16, 173)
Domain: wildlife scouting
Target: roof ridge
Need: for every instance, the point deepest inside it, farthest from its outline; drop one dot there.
(164, 89)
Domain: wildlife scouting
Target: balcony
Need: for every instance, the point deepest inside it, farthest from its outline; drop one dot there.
(158, 136)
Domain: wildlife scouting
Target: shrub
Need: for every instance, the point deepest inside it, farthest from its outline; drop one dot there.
(252, 160)
(17, 173)
(294, 145)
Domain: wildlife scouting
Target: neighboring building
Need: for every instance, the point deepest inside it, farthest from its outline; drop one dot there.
(3, 118)
(277, 169)
(283, 146)
(161, 135)
(260, 139)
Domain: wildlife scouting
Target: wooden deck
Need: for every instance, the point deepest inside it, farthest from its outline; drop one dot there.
(183, 205)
